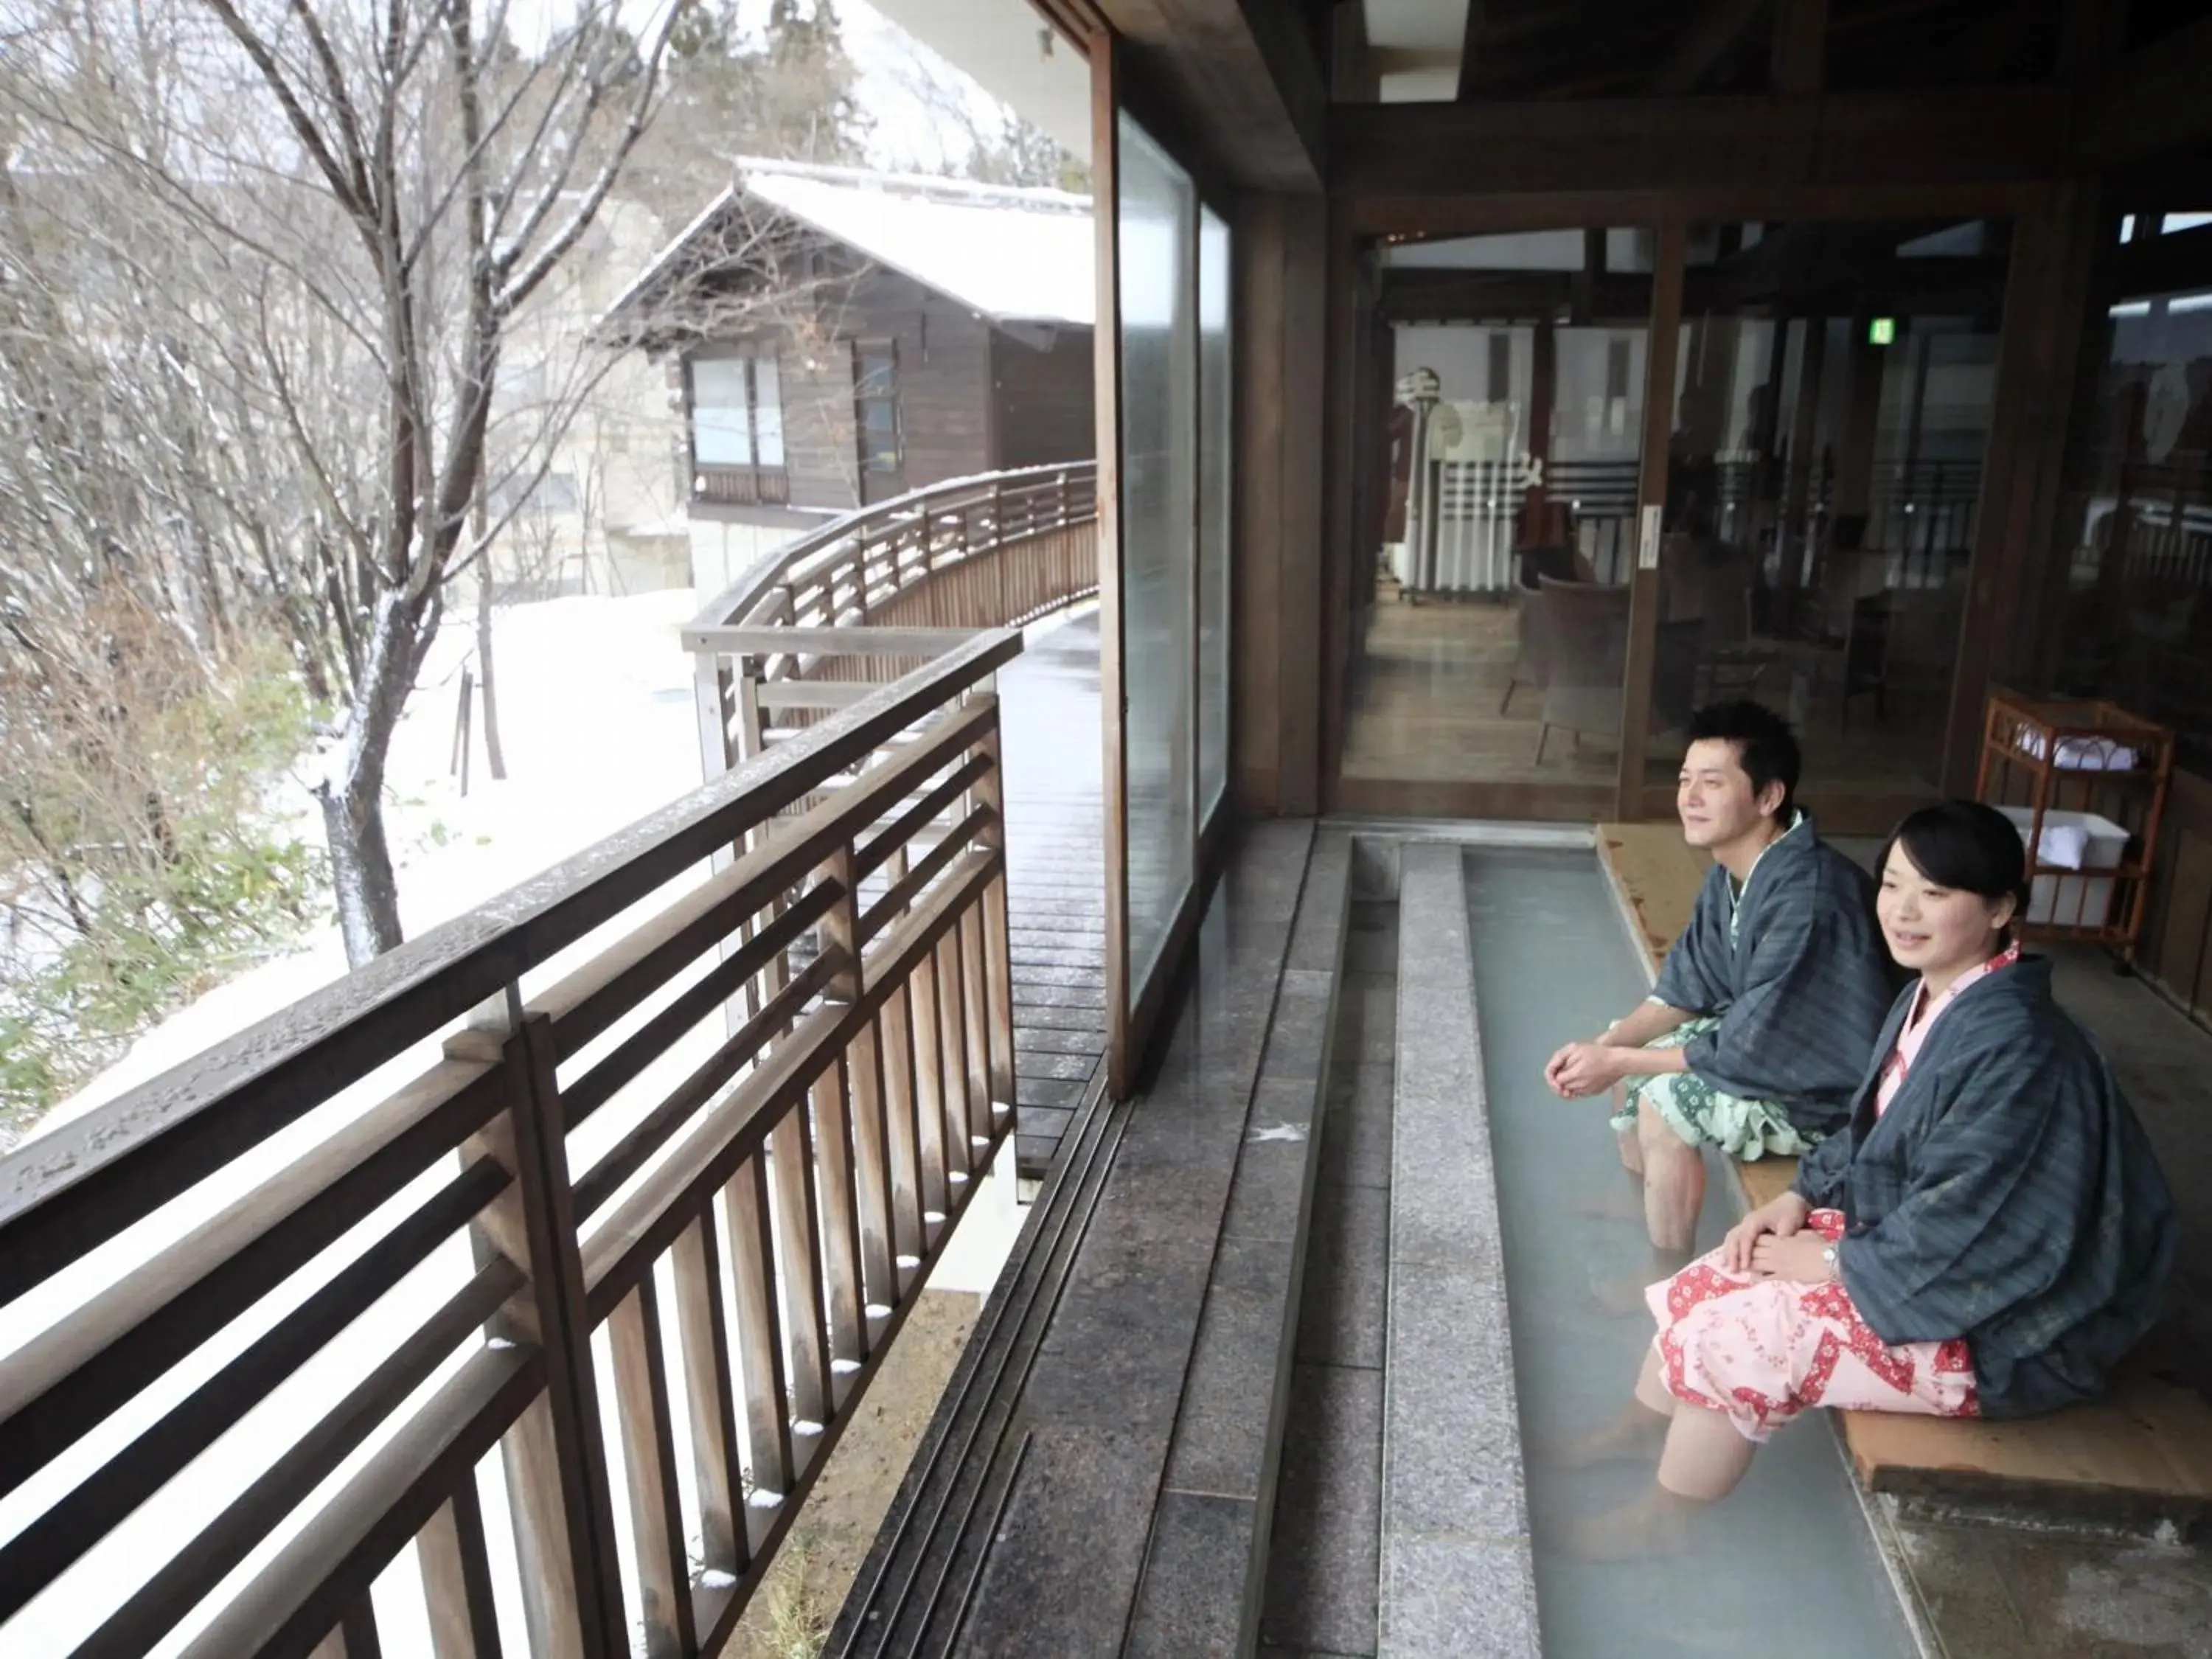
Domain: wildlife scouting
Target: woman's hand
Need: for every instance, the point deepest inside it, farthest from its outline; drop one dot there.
(1779, 1218)
(1801, 1258)
(1581, 1069)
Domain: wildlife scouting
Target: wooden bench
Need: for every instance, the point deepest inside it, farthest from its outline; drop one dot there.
(2141, 1453)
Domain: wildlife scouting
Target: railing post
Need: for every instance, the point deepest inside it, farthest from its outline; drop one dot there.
(990, 791)
(554, 1455)
(869, 1231)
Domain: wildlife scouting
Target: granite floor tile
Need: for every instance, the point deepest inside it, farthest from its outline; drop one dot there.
(1373, 1037)
(1322, 1560)
(1357, 1139)
(1457, 1599)
(1452, 1442)
(1269, 1188)
(1343, 1312)
(1061, 1574)
(1229, 1397)
(1190, 1603)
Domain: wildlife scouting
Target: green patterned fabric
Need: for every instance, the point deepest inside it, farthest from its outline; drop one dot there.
(1699, 1113)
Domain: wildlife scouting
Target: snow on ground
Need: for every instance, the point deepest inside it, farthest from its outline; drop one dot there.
(595, 705)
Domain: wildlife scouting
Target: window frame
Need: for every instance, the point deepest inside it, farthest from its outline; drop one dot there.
(755, 481)
(886, 347)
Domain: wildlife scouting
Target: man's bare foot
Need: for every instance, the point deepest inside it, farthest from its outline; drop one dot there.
(1656, 1524)
(1634, 1437)
(1619, 1204)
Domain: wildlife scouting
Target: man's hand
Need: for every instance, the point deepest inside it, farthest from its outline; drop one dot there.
(1778, 1219)
(1581, 1069)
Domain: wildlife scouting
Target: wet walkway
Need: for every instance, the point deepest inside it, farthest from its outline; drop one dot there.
(1048, 718)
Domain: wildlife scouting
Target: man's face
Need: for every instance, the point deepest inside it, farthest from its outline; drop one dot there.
(1714, 795)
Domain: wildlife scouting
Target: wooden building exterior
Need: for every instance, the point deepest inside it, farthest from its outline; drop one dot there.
(829, 354)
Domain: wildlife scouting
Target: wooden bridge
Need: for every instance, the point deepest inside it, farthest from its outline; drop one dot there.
(877, 594)
(540, 1264)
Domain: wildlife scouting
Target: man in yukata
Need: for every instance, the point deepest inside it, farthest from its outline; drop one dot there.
(1759, 1027)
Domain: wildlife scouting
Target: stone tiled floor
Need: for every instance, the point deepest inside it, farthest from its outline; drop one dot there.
(1324, 1565)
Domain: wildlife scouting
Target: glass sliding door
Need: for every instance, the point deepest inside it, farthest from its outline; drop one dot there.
(1490, 624)
(1157, 224)
(1834, 391)
(1215, 406)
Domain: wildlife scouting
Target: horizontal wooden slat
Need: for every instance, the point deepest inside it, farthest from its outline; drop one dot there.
(82, 1515)
(65, 1380)
(629, 1154)
(69, 1190)
(732, 639)
(649, 1219)
(963, 836)
(814, 694)
(220, 1545)
(331, 1564)
(591, 999)
(694, 1003)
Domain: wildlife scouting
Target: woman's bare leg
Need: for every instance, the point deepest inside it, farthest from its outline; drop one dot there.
(1705, 1455)
(1702, 1459)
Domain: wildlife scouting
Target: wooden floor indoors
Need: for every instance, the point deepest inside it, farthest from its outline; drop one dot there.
(1429, 675)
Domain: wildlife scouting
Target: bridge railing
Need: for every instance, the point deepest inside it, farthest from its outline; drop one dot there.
(507, 1295)
(882, 590)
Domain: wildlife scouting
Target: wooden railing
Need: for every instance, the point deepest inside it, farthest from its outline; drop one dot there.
(882, 590)
(582, 1222)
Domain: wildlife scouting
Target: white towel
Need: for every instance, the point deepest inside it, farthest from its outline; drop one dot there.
(2084, 754)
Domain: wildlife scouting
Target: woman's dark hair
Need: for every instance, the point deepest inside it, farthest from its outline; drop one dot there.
(1765, 747)
(1965, 846)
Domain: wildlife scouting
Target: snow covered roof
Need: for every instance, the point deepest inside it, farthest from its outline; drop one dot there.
(1012, 255)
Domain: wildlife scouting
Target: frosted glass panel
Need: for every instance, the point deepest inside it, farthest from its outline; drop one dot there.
(1213, 510)
(720, 433)
(1156, 215)
(767, 410)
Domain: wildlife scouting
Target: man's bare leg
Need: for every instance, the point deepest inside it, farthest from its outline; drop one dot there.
(1621, 1206)
(1673, 1189)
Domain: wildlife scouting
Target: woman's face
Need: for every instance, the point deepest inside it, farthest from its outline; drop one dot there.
(1935, 930)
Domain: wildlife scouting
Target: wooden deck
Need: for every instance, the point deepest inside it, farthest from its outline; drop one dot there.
(1049, 711)
(2144, 1451)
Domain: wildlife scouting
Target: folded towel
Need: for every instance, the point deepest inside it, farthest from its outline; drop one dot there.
(2084, 754)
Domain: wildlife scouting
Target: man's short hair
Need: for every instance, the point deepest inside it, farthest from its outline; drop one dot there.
(1765, 747)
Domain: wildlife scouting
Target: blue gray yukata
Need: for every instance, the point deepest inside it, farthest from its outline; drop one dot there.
(2008, 1196)
(1787, 982)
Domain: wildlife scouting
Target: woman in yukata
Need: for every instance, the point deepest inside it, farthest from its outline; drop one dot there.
(1989, 1236)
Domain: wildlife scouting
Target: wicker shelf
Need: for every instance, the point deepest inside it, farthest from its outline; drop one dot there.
(2026, 744)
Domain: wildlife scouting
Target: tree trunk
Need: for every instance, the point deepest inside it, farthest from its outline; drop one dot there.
(493, 753)
(361, 876)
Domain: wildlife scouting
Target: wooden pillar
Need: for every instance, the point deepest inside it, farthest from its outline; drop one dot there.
(1282, 364)
(2048, 293)
(1650, 499)
(1106, 407)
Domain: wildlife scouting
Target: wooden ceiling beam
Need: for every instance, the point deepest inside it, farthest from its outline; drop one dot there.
(1950, 135)
(1241, 78)
(2150, 103)
(1801, 45)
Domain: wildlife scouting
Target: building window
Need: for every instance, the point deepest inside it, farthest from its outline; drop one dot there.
(737, 429)
(875, 397)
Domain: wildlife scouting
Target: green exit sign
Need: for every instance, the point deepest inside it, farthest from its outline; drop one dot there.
(1882, 331)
